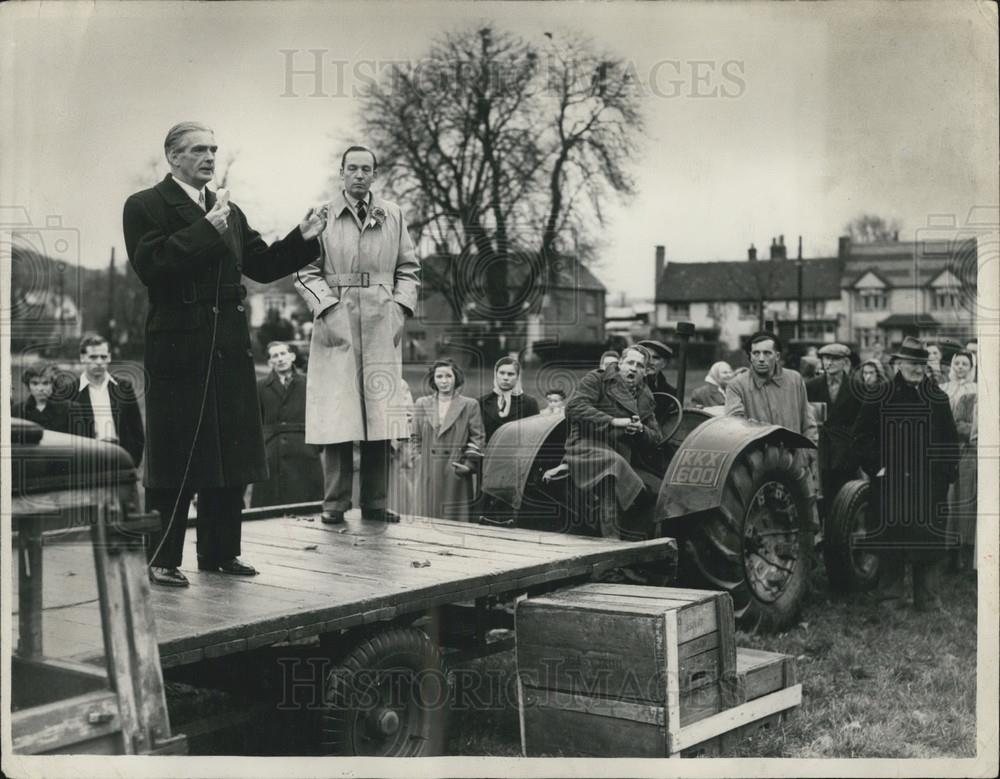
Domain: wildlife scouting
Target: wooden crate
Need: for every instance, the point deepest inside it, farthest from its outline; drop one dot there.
(620, 670)
(759, 673)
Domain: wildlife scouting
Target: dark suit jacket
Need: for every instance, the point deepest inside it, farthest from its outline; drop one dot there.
(836, 442)
(124, 409)
(521, 406)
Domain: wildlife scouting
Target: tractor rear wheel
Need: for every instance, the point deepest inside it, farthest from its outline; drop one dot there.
(849, 568)
(757, 544)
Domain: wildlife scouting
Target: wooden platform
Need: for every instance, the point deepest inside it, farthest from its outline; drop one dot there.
(316, 578)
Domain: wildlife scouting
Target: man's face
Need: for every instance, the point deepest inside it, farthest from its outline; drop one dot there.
(656, 364)
(933, 354)
(280, 359)
(868, 374)
(40, 388)
(912, 371)
(95, 361)
(763, 357)
(834, 366)
(194, 162)
(632, 367)
(358, 173)
(556, 402)
(506, 377)
(609, 360)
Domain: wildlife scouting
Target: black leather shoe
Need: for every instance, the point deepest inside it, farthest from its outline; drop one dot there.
(332, 517)
(379, 515)
(237, 567)
(167, 577)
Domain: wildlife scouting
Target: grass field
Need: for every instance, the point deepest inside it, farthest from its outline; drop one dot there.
(876, 683)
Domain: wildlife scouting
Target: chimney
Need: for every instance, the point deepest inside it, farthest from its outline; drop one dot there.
(661, 263)
(777, 249)
(895, 236)
(844, 247)
(782, 252)
(752, 253)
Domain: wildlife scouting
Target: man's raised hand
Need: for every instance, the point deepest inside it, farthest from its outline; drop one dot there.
(314, 223)
(218, 215)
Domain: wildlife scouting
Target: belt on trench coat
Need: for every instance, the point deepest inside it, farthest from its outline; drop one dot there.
(361, 279)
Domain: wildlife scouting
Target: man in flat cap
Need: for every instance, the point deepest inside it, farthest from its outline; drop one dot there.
(838, 390)
(659, 353)
(907, 443)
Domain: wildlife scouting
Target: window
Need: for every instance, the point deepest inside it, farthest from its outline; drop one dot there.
(946, 298)
(872, 299)
(590, 304)
(813, 308)
(749, 310)
(678, 310)
(866, 337)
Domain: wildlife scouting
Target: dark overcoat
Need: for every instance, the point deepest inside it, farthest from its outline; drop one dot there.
(193, 355)
(521, 406)
(294, 465)
(124, 409)
(836, 437)
(909, 431)
(596, 450)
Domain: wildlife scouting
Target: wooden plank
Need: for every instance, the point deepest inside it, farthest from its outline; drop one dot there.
(736, 717)
(29, 577)
(47, 728)
(600, 707)
(673, 697)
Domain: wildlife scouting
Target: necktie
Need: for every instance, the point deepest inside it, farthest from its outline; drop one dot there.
(361, 211)
(201, 200)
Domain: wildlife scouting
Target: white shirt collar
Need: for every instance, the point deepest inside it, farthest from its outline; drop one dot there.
(353, 201)
(85, 382)
(191, 192)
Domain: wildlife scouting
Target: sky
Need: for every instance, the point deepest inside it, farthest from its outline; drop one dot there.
(804, 116)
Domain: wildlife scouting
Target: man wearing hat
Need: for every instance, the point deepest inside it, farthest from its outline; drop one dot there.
(659, 353)
(907, 442)
(838, 390)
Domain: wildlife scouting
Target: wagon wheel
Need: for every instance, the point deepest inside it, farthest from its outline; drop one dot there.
(756, 545)
(849, 567)
(388, 698)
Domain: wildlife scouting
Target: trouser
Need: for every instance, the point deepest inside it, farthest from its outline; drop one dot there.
(218, 528)
(831, 480)
(926, 578)
(338, 474)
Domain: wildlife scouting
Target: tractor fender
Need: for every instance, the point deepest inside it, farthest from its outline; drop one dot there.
(696, 476)
(512, 451)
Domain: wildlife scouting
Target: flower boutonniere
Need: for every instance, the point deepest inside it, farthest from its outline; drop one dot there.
(377, 216)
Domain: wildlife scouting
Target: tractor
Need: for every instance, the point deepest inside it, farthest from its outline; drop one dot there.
(733, 495)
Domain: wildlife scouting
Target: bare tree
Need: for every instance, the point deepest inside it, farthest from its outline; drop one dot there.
(508, 149)
(870, 228)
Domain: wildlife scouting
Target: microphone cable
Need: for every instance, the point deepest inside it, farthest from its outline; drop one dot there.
(201, 415)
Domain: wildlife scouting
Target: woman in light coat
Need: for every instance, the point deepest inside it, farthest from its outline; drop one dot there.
(448, 433)
(963, 504)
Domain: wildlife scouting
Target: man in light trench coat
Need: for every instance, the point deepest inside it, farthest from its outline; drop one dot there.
(360, 292)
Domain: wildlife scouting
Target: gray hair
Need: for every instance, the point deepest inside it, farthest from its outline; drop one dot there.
(176, 134)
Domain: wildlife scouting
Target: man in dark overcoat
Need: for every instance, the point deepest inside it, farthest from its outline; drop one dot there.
(296, 473)
(841, 393)
(612, 439)
(908, 444)
(190, 247)
(656, 380)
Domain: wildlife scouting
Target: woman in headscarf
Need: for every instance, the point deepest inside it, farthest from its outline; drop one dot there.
(448, 432)
(963, 503)
(872, 373)
(713, 391)
(506, 401)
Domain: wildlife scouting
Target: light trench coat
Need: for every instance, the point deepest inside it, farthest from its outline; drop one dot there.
(355, 389)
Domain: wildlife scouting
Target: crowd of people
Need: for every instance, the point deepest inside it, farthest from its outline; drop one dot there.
(908, 419)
